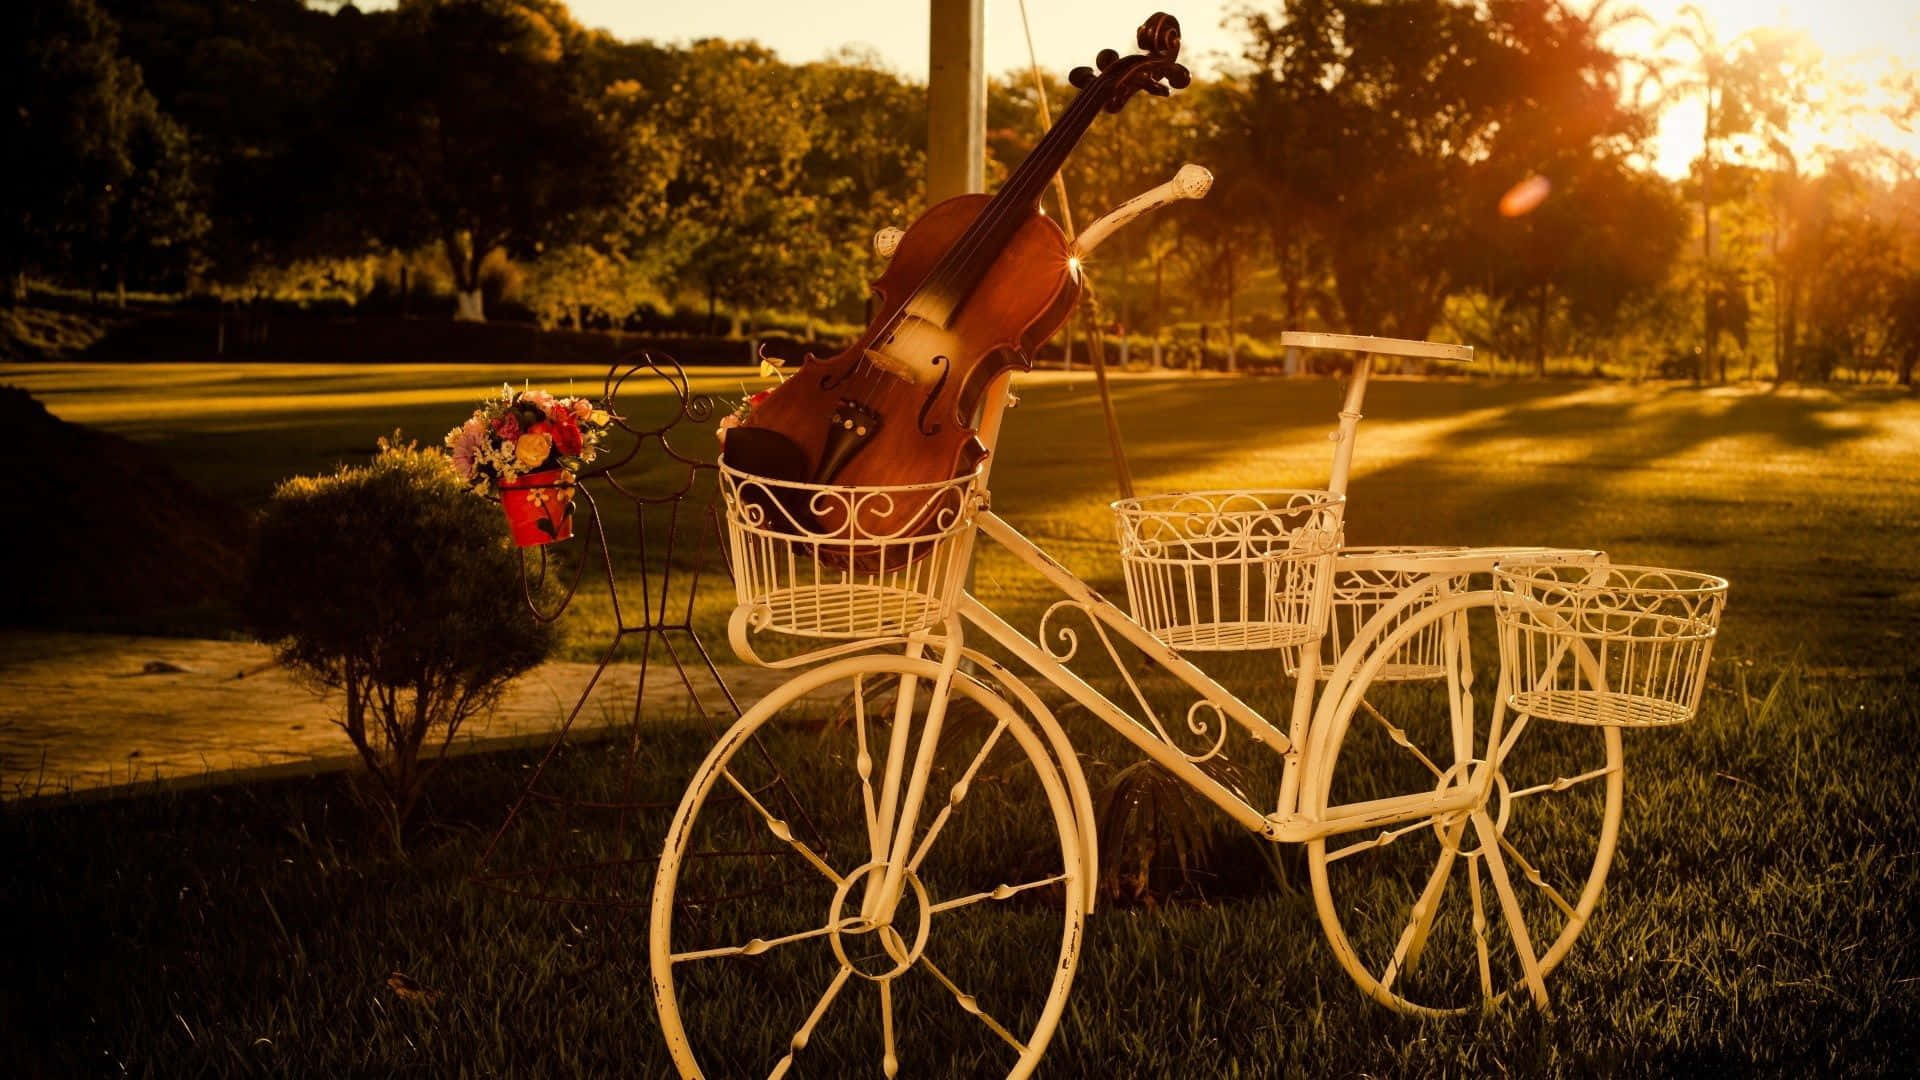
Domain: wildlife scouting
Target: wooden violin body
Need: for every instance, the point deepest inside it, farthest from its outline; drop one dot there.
(899, 406)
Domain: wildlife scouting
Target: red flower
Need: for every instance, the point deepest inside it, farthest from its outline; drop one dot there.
(507, 427)
(566, 435)
(754, 400)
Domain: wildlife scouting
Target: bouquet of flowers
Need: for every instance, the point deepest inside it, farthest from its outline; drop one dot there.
(522, 432)
(741, 411)
(527, 445)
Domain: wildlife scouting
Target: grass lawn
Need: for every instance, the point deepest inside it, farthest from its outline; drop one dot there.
(1761, 913)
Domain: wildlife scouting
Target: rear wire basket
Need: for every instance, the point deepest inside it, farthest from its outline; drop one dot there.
(1213, 571)
(1614, 646)
(1365, 581)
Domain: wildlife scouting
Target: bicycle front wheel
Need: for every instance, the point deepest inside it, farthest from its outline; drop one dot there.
(777, 944)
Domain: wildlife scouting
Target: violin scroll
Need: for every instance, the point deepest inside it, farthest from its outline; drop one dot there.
(1155, 70)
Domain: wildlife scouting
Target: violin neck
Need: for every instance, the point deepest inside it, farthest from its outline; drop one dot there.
(1017, 200)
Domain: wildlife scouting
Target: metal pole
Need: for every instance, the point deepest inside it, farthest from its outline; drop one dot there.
(956, 98)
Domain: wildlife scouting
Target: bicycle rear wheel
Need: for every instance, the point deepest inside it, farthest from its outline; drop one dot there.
(1456, 910)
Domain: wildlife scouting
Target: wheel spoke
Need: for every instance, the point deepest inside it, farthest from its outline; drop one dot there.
(1512, 736)
(1413, 941)
(1459, 685)
(889, 1056)
(970, 1004)
(954, 797)
(1510, 905)
(1001, 892)
(784, 832)
(1400, 737)
(1382, 840)
(1563, 783)
(1528, 871)
(1480, 929)
(800, 1037)
(757, 946)
(863, 764)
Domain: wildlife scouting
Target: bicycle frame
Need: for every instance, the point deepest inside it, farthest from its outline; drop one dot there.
(1287, 822)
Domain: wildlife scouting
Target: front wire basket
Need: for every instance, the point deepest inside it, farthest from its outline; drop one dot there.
(1230, 570)
(821, 560)
(1615, 646)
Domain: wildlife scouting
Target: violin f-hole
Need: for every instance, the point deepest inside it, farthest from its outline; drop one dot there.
(933, 395)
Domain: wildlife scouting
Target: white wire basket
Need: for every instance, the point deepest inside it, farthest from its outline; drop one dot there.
(1366, 580)
(821, 560)
(1617, 646)
(1213, 571)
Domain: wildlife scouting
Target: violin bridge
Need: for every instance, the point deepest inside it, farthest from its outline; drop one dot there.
(914, 337)
(904, 370)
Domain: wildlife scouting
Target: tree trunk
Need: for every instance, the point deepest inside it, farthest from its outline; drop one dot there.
(1706, 246)
(1159, 331)
(463, 256)
(1232, 355)
(1540, 333)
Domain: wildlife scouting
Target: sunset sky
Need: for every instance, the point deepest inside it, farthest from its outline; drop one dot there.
(1863, 40)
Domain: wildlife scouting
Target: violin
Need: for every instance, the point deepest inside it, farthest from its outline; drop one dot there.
(975, 286)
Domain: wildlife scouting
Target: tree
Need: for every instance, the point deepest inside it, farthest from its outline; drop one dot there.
(393, 585)
(1393, 120)
(1746, 85)
(98, 175)
(483, 134)
(755, 227)
(256, 88)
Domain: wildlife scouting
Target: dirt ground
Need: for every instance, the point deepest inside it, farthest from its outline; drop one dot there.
(92, 712)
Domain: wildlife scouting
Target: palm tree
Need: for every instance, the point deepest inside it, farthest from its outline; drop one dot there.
(1747, 84)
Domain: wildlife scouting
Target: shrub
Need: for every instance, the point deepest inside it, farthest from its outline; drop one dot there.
(394, 586)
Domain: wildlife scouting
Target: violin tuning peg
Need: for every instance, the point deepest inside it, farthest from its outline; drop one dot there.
(1105, 59)
(1080, 77)
(1179, 77)
(1157, 89)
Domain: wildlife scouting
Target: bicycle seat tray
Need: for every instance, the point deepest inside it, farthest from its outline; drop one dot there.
(1457, 560)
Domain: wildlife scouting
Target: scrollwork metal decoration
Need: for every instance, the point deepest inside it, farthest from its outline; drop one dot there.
(1204, 718)
(666, 497)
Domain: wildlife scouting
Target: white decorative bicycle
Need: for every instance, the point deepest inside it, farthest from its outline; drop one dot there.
(929, 865)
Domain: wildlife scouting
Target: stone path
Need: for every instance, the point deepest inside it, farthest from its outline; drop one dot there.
(86, 712)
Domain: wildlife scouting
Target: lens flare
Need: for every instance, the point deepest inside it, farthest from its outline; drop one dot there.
(1525, 196)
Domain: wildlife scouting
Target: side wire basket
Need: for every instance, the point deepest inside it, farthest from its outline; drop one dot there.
(827, 561)
(1214, 571)
(1614, 646)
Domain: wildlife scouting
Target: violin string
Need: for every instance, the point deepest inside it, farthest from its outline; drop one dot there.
(996, 213)
(975, 237)
(945, 273)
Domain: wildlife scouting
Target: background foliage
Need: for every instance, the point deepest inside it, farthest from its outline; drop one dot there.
(499, 152)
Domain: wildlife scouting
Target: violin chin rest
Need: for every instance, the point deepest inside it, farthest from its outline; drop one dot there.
(765, 452)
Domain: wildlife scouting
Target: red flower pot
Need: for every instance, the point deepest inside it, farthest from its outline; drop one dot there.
(539, 507)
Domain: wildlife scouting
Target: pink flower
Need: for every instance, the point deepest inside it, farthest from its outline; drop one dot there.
(582, 408)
